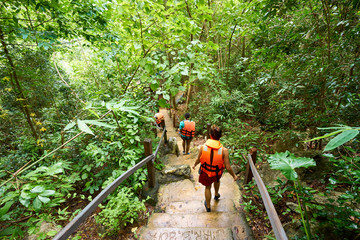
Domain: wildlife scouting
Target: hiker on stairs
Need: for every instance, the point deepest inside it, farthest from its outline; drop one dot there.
(187, 132)
(214, 158)
(159, 117)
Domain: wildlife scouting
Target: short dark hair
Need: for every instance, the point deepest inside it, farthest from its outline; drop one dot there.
(215, 132)
(187, 115)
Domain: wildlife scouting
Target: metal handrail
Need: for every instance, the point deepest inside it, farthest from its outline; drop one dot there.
(269, 206)
(80, 218)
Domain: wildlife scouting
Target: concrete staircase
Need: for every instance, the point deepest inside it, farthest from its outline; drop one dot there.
(183, 214)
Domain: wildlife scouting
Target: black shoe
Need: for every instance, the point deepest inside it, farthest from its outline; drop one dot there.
(217, 197)
(207, 209)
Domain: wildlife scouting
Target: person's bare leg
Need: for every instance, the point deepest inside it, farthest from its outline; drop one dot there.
(183, 145)
(208, 195)
(188, 146)
(216, 187)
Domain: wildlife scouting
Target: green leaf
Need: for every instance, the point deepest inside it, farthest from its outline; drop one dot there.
(324, 136)
(332, 180)
(25, 202)
(47, 193)
(69, 126)
(5, 208)
(84, 176)
(83, 127)
(9, 231)
(166, 97)
(94, 113)
(55, 169)
(286, 162)
(98, 123)
(185, 72)
(341, 139)
(44, 199)
(154, 86)
(37, 189)
(174, 91)
(162, 103)
(52, 233)
(37, 203)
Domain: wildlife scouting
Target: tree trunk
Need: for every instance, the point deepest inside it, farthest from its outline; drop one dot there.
(231, 36)
(189, 12)
(17, 84)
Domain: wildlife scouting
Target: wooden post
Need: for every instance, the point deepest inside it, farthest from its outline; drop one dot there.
(165, 135)
(174, 120)
(150, 164)
(248, 173)
(208, 130)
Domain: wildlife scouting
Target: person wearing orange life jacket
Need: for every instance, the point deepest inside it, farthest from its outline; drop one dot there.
(158, 118)
(214, 158)
(187, 132)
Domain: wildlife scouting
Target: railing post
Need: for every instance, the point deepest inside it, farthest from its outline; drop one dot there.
(174, 120)
(248, 173)
(208, 130)
(150, 164)
(165, 135)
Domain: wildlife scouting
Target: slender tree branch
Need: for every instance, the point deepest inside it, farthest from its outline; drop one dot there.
(137, 68)
(73, 92)
(147, 28)
(230, 42)
(141, 33)
(189, 12)
(50, 20)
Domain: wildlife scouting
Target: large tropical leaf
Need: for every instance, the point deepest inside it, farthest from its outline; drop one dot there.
(341, 139)
(83, 127)
(286, 162)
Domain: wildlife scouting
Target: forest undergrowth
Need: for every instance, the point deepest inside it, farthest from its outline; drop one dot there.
(279, 76)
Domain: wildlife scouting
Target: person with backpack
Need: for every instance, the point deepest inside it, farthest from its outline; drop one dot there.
(214, 158)
(187, 132)
(158, 119)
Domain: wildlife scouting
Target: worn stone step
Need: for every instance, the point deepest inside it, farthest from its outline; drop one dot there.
(222, 205)
(178, 191)
(202, 220)
(186, 233)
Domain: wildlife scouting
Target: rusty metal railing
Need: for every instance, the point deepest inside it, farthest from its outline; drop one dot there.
(269, 206)
(149, 160)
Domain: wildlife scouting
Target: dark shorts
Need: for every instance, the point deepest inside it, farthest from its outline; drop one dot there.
(205, 180)
(186, 138)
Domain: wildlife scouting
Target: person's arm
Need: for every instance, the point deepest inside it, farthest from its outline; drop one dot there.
(181, 126)
(227, 163)
(198, 158)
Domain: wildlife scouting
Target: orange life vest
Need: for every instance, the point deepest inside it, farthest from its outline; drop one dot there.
(211, 159)
(159, 117)
(189, 129)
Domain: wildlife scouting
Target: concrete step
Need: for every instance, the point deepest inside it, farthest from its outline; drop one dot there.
(178, 191)
(222, 205)
(200, 220)
(185, 233)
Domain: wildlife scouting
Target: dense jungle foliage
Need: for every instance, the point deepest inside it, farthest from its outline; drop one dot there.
(269, 72)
